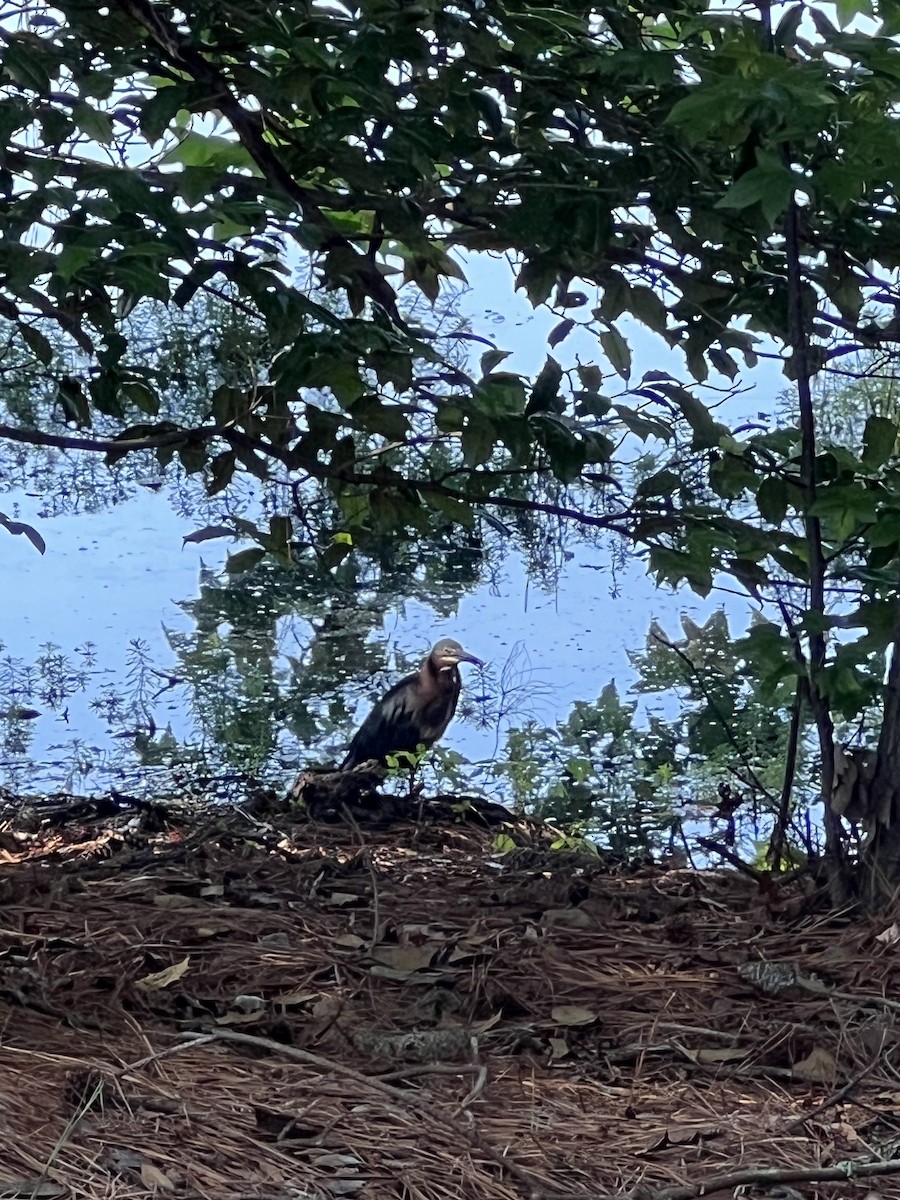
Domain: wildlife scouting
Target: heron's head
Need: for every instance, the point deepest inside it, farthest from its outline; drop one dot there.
(448, 653)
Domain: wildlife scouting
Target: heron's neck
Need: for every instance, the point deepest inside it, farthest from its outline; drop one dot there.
(432, 680)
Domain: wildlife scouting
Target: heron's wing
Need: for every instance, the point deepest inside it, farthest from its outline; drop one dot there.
(390, 726)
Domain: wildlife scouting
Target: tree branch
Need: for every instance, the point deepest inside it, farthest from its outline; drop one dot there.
(249, 128)
(767, 1177)
(613, 522)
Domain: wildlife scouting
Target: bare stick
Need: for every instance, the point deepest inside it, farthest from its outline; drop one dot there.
(769, 1176)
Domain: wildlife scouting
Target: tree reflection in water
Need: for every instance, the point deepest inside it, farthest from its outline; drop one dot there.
(268, 677)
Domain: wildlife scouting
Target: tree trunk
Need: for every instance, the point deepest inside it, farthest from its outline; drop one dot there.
(881, 855)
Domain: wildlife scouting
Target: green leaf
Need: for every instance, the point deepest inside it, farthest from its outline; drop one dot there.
(538, 277)
(490, 112)
(142, 396)
(723, 362)
(455, 510)
(879, 441)
(560, 332)
(221, 472)
(37, 343)
(662, 483)
(477, 440)
(772, 499)
(193, 457)
(591, 404)
(208, 150)
(281, 530)
(499, 396)
(649, 308)
(354, 507)
(545, 393)
(590, 376)
(566, 452)
(616, 295)
(207, 534)
(23, 63)
(158, 111)
(96, 125)
(493, 358)
(617, 351)
(74, 402)
(770, 186)
(72, 258)
(707, 432)
(644, 427)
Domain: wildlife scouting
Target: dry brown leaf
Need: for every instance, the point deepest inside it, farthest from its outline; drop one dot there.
(342, 899)
(269, 1170)
(848, 1132)
(349, 941)
(236, 1017)
(710, 1056)
(177, 900)
(689, 1135)
(418, 977)
(415, 933)
(463, 953)
(889, 936)
(168, 975)
(680, 1135)
(213, 889)
(279, 940)
(326, 1007)
(291, 999)
(405, 958)
(155, 1179)
(572, 1014)
(559, 1047)
(483, 1026)
(334, 1159)
(573, 918)
(819, 1066)
(478, 939)
(38, 1189)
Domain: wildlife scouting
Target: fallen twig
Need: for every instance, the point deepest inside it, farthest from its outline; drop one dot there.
(834, 1099)
(768, 1176)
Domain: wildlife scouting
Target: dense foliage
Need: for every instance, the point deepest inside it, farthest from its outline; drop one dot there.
(725, 181)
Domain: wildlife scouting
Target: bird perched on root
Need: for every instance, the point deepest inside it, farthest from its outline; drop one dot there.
(416, 711)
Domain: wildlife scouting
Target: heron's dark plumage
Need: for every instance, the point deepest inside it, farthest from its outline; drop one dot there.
(416, 711)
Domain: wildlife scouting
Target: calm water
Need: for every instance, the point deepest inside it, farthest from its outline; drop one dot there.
(128, 659)
(118, 597)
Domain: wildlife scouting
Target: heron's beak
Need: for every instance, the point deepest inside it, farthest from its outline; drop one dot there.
(465, 656)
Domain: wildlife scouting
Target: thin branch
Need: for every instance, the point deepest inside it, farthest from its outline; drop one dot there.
(768, 1177)
(613, 522)
(67, 441)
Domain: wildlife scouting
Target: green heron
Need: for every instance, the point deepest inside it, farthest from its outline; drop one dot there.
(416, 711)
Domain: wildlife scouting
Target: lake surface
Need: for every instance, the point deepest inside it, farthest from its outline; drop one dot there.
(115, 585)
(131, 661)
